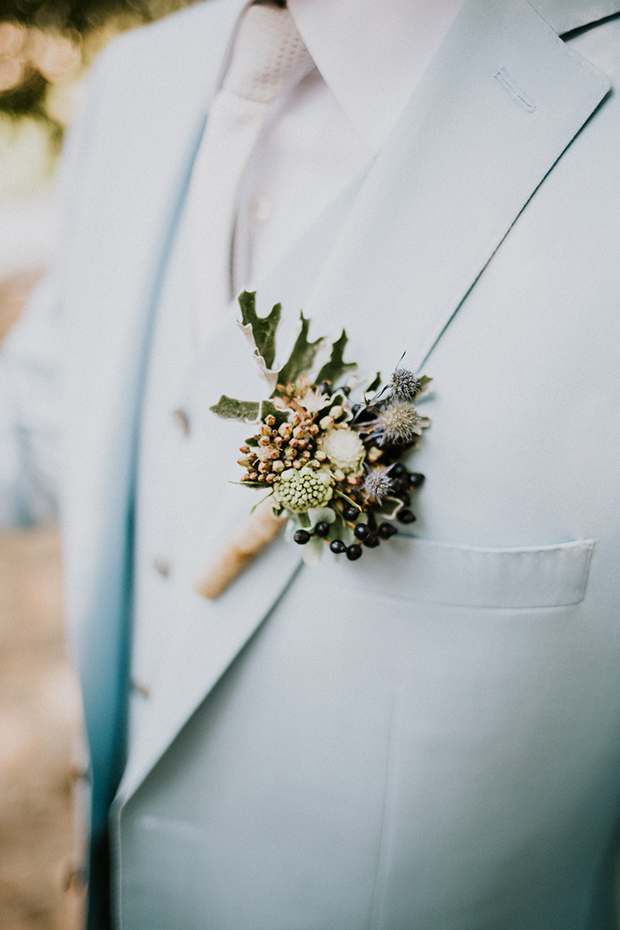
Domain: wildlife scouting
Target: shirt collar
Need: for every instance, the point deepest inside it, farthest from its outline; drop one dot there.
(373, 54)
(370, 54)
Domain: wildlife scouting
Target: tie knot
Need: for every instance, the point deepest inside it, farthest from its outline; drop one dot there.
(268, 57)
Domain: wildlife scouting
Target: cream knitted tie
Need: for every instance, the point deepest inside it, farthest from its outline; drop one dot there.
(268, 58)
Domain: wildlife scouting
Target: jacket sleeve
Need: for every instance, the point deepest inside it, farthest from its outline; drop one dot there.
(30, 413)
(31, 357)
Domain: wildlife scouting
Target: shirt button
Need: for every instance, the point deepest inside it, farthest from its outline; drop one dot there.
(181, 421)
(259, 210)
(161, 565)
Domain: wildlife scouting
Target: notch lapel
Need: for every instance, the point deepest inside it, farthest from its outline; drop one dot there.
(500, 103)
(566, 15)
(221, 628)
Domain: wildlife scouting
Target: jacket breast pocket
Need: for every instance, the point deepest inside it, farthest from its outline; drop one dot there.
(471, 576)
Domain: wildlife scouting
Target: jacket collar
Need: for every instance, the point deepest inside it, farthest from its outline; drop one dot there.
(498, 107)
(372, 55)
(567, 15)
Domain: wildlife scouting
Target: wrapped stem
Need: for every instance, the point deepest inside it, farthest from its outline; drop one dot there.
(247, 541)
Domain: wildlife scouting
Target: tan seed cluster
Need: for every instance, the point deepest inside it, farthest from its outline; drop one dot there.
(291, 445)
(294, 444)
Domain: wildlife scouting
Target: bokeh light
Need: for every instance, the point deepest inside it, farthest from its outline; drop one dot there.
(46, 47)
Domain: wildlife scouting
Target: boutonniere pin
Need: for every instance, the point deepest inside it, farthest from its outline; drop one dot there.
(326, 447)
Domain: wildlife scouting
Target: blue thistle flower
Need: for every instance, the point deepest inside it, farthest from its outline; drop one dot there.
(404, 384)
(377, 484)
(398, 422)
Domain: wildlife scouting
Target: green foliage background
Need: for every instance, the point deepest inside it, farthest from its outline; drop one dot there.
(87, 23)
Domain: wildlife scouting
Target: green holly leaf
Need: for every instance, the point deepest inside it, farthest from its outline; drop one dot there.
(375, 385)
(268, 408)
(227, 408)
(263, 327)
(336, 367)
(302, 357)
(423, 385)
(389, 508)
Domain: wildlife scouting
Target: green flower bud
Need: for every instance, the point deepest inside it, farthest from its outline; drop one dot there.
(298, 491)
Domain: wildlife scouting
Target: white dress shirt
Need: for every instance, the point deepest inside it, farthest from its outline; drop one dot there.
(369, 57)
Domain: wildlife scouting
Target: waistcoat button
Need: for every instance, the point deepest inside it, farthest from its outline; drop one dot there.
(181, 420)
(140, 688)
(161, 565)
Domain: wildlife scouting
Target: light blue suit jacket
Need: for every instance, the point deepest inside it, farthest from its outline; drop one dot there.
(484, 242)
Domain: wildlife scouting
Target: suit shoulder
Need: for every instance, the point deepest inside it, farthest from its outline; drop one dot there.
(168, 47)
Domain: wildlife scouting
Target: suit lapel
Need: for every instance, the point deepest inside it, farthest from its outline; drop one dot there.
(502, 100)
(565, 15)
(223, 627)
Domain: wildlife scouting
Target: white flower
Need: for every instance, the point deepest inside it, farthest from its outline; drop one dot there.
(314, 400)
(344, 449)
(264, 453)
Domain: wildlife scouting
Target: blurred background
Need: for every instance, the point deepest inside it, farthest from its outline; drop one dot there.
(46, 48)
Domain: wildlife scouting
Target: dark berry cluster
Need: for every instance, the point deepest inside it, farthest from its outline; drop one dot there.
(369, 534)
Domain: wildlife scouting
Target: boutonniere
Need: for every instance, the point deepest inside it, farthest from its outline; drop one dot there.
(326, 447)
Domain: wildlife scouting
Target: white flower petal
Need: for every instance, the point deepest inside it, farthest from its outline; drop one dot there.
(313, 550)
(321, 515)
